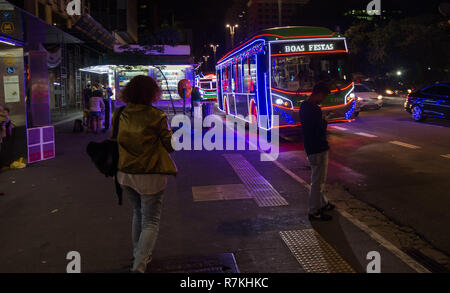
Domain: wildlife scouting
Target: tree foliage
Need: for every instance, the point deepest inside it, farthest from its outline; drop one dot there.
(418, 46)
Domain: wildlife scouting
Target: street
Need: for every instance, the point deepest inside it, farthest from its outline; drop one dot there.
(396, 165)
(212, 209)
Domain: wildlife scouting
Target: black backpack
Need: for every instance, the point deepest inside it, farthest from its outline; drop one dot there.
(78, 126)
(105, 155)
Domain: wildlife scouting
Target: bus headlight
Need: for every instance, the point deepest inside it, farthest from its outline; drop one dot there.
(281, 101)
(350, 97)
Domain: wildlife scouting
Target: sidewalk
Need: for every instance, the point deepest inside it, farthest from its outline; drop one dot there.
(215, 207)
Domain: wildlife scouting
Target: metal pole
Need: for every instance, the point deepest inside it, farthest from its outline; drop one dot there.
(168, 88)
(280, 13)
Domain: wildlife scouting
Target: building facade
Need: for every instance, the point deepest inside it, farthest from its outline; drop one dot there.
(265, 14)
(119, 17)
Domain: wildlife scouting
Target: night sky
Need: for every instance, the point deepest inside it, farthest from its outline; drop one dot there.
(207, 18)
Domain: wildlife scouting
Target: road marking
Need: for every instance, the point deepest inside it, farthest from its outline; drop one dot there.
(293, 175)
(375, 236)
(410, 146)
(388, 245)
(220, 192)
(338, 128)
(446, 156)
(314, 254)
(366, 134)
(259, 188)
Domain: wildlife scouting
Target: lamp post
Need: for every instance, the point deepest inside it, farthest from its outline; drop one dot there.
(214, 47)
(232, 29)
(206, 61)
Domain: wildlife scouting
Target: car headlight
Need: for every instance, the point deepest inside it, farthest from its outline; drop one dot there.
(380, 98)
(360, 99)
(389, 92)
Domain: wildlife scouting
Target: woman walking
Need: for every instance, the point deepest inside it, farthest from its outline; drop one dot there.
(96, 110)
(144, 140)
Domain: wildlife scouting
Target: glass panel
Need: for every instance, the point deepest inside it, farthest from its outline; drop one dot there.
(301, 73)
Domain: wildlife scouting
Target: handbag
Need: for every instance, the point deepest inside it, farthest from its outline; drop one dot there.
(105, 156)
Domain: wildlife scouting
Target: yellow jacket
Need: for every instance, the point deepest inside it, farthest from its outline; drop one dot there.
(144, 141)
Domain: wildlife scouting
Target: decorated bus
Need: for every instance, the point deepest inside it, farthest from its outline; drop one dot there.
(273, 72)
(208, 87)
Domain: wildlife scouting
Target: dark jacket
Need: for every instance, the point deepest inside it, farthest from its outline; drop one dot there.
(144, 141)
(314, 129)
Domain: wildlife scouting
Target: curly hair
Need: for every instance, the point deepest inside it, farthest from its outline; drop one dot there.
(141, 90)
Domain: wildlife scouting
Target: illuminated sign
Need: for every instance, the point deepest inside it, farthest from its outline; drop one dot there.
(310, 46)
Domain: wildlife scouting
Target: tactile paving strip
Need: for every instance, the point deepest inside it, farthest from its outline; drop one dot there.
(260, 189)
(313, 253)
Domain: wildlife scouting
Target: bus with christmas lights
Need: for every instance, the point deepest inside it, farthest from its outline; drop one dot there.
(208, 87)
(273, 72)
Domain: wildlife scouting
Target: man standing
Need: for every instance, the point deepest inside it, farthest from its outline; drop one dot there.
(87, 94)
(196, 100)
(316, 146)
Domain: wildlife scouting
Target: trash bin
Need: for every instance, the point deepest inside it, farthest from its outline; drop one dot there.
(208, 109)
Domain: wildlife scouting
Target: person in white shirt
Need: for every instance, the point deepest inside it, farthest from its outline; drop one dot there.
(96, 110)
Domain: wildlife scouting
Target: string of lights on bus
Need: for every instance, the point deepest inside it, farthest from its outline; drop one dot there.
(275, 71)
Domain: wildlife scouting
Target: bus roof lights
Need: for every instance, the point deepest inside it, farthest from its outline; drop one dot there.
(274, 36)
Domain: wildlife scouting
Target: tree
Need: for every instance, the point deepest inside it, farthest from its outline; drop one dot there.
(417, 45)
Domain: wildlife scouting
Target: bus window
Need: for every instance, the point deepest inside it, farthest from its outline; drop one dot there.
(224, 80)
(205, 85)
(300, 73)
(239, 88)
(246, 76)
(230, 79)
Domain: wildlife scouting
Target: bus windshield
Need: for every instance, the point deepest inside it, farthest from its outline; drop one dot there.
(301, 73)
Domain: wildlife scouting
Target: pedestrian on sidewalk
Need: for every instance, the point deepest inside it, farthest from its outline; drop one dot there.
(107, 101)
(144, 141)
(196, 102)
(87, 95)
(96, 110)
(314, 126)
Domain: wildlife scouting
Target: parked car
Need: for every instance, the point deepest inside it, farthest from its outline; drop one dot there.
(431, 101)
(367, 98)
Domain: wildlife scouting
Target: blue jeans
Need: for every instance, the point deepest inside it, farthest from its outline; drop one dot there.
(146, 218)
(319, 167)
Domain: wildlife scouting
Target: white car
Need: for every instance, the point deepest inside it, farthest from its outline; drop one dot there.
(367, 98)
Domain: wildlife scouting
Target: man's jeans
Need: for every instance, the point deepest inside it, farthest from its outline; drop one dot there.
(146, 218)
(319, 167)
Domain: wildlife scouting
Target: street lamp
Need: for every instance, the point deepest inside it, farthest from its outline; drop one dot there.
(206, 61)
(214, 47)
(232, 29)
